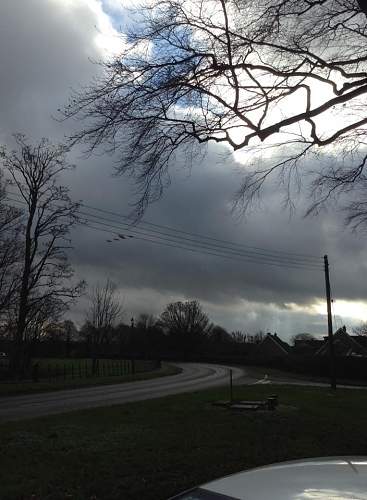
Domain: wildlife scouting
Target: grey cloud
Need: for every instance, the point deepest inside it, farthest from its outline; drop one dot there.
(45, 50)
(200, 204)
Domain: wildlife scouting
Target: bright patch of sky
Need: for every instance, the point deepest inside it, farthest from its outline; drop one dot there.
(117, 12)
(345, 312)
(107, 37)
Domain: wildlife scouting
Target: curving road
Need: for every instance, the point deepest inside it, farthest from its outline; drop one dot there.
(194, 377)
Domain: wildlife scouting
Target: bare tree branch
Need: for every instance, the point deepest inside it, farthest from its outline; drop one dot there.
(290, 74)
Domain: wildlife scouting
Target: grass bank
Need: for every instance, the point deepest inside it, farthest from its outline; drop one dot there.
(154, 449)
(18, 388)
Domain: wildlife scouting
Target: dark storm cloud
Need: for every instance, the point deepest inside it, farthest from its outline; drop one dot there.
(201, 203)
(45, 48)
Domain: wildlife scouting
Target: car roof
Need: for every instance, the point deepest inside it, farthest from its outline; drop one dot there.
(309, 479)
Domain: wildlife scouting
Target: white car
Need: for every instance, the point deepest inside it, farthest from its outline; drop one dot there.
(331, 478)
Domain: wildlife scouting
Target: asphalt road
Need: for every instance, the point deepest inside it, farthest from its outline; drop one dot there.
(194, 377)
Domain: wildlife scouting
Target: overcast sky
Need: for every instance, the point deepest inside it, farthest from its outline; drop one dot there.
(46, 47)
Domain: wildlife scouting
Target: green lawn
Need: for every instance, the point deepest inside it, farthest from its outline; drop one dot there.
(151, 450)
(18, 388)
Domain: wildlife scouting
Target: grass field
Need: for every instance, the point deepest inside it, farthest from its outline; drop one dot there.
(151, 450)
(18, 388)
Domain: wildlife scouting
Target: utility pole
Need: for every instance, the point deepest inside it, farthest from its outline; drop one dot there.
(330, 324)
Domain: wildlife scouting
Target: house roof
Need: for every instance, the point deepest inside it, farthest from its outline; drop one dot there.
(352, 343)
(283, 346)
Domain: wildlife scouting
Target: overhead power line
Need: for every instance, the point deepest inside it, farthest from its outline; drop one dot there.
(137, 234)
(165, 230)
(199, 244)
(215, 254)
(241, 245)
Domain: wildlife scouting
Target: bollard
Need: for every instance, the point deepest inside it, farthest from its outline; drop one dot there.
(272, 402)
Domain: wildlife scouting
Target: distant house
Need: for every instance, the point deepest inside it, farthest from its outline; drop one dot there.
(345, 344)
(272, 348)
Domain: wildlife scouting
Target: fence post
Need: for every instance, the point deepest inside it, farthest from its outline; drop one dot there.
(230, 386)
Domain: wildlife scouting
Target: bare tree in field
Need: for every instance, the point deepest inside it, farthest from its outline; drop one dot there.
(187, 323)
(283, 81)
(46, 285)
(104, 311)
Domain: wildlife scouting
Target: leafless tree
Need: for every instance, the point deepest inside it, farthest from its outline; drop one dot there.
(10, 249)
(104, 311)
(187, 323)
(46, 285)
(42, 317)
(238, 337)
(145, 321)
(185, 318)
(284, 81)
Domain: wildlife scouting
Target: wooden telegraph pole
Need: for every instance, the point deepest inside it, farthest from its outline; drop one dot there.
(330, 325)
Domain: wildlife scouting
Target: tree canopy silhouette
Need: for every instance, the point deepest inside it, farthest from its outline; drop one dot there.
(185, 319)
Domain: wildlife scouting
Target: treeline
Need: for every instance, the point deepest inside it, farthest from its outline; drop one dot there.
(182, 331)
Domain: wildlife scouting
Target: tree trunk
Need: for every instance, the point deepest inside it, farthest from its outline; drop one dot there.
(19, 360)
